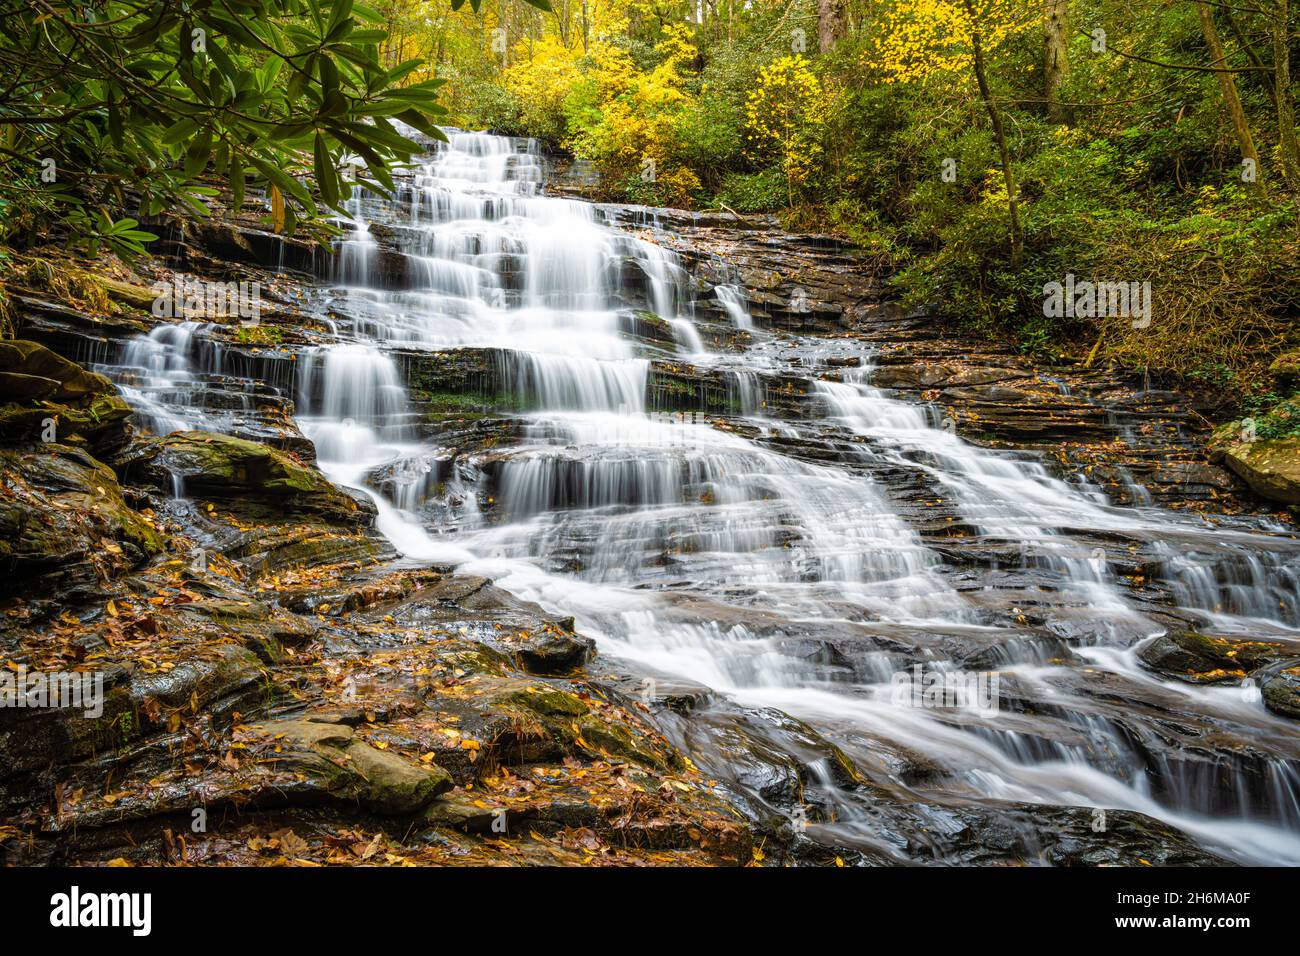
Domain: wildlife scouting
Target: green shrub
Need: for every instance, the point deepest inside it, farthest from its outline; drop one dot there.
(754, 192)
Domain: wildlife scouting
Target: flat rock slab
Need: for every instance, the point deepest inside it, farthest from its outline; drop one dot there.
(353, 770)
(1271, 468)
(1208, 659)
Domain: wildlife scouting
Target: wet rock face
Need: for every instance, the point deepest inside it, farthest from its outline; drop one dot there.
(1206, 659)
(1069, 836)
(49, 398)
(940, 375)
(64, 525)
(348, 769)
(216, 680)
(199, 242)
(252, 475)
(999, 411)
(1280, 687)
(465, 382)
(30, 371)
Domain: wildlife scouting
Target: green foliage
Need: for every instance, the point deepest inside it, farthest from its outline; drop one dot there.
(125, 106)
(709, 134)
(1274, 416)
(1221, 264)
(487, 105)
(763, 191)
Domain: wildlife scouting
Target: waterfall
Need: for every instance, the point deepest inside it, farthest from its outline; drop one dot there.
(165, 376)
(732, 299)
(804, 583)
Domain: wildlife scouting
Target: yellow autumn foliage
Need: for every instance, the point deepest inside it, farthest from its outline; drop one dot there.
(785, 118)
(925, 38)
(624, 120)
(543, 74)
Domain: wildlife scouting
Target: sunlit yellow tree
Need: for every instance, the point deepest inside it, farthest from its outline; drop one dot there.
(629, 122)
(785, 118)
(926, 39)
(543, 74)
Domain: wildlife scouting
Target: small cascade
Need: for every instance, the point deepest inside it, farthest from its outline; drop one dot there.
(745, 391)
(1232, 576)
(688, 336)
(1005, 499)
(796, 566)
(351, 401)
(164, 376)
(354, 262)
(560, 382)
(733, 300)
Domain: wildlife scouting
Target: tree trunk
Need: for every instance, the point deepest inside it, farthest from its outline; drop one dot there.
(1285, 101)
(830, 23)
(995, 117)
(503, 24)
(1248, 48)
(1227, 83)
(1056, 55)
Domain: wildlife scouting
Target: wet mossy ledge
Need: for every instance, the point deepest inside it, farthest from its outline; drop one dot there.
(219, 467)
(463, 383)
(49, 398)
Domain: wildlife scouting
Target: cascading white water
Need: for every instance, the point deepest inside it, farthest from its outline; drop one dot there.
(1019, 501)
(689, 550)
(161, 377)
(1005, 499)
(732, 299)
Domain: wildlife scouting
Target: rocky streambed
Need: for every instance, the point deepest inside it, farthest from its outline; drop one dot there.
(285, 680)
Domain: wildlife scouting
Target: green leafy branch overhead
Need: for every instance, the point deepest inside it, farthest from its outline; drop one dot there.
(111, 106)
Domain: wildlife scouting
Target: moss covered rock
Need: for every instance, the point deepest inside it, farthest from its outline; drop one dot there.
(218, 679)
(1270, 466)
(352, 770)
(64, 380)
(1281, 690)
(1207, 659)
(258, 477)
(48, 398)
(1285, 369)
(64, 523)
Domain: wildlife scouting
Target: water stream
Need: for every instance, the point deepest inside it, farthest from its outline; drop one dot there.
(700, 554)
